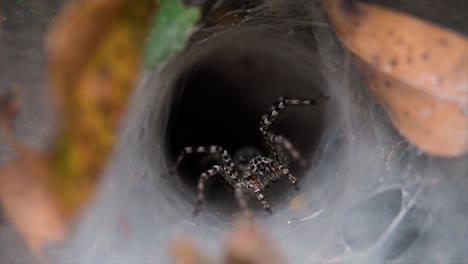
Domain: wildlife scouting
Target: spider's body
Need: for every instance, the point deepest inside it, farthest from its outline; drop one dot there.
(262, 172)
(249, 171)
(254, 168)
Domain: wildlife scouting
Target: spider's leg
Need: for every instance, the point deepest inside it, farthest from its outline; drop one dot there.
(293, 152)
(276, 109)
(240, 196)
(224, 171)
(287, 173)
(282, 103)
(272, 140)
(258, 193)
(225, 157)
(262, 200)
(201, 186)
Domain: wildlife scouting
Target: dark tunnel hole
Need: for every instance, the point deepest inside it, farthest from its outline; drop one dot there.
(220, 98)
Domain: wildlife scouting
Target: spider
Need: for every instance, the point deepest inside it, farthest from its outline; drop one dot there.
(249, 172)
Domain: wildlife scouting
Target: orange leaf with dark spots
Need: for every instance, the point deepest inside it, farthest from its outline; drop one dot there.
(417, 71)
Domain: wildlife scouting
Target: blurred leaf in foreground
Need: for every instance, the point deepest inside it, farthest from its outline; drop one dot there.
(25, 187)
(94, 56)
(170, 31)
(94, 50)
(245, 244)
(185, 251)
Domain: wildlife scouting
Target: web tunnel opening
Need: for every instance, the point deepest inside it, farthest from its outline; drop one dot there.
(219, 99)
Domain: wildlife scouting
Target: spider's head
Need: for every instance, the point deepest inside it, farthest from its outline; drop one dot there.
(262, 171)
(243, 157)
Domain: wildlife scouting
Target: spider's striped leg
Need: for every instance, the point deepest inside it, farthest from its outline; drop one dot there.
(264, 202)
(225, 157)
(282, 103)
(258, 193)
(271, 139)
(224, 171)
(289, 147)
(276, 109)
(288, 174)
(240, 196)
(284, 170)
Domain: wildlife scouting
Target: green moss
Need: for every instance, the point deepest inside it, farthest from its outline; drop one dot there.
(169, 32)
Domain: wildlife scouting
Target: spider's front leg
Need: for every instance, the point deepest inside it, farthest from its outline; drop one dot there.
(254, 190)
(282, 103)
(274, 141)
(268, 119)
(240, 196)
(225, 157)
(261, 198)
(224, 171)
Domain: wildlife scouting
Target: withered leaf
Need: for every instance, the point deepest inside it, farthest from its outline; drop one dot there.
(94, 56)
(95, 51)
(418, 71)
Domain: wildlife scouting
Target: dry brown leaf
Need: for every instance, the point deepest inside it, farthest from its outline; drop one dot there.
(418, 72)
